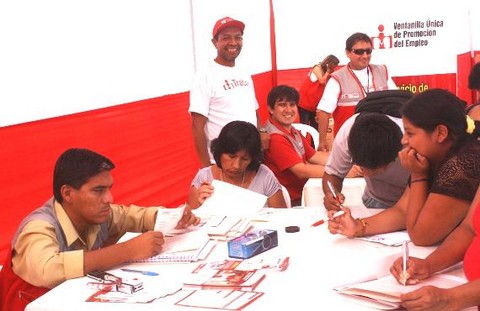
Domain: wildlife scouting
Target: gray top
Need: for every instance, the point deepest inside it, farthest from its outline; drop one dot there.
(386, 187)
(264, 181)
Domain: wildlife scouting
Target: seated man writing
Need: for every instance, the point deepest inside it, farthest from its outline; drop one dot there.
(72, 233)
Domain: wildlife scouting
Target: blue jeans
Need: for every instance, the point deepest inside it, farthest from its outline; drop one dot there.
(370, 202)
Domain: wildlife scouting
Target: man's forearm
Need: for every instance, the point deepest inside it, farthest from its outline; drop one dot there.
(201, 148)
(323, 120)
(200, 139)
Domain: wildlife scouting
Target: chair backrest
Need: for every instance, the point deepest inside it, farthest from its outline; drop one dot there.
(308, 129)
(286, 196)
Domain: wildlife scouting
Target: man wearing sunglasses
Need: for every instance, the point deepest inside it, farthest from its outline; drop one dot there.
(349, 85)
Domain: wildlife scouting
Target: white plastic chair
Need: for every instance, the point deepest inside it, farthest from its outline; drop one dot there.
(305, 128)
(286, 196)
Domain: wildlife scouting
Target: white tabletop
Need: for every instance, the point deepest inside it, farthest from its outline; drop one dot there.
(319, 262)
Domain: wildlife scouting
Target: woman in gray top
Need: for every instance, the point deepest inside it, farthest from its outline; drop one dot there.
(238, 156)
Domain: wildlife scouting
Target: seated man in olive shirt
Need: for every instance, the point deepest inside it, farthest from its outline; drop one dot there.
(72, 233)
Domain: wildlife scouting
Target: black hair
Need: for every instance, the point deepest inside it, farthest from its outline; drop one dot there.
(236, 136)
(374, 140)
(433, 107)
(75, 167)
(474, 77)
(282, 92)
(356, 37)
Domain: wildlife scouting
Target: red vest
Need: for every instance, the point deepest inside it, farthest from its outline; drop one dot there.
(351, 91)
(15, 293)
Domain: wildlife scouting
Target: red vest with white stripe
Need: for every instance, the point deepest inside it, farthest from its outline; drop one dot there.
(351, 91)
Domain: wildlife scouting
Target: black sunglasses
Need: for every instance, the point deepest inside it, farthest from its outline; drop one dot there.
(361, 51)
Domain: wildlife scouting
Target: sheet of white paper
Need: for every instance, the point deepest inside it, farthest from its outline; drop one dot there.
(389, 289)
(230, 200)
(193, 241)
(167, 218)
(391, 239)
(224, 299)
(185, 242)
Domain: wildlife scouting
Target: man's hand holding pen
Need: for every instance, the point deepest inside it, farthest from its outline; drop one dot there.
(339, 224)
(333, 204)
(333, 200)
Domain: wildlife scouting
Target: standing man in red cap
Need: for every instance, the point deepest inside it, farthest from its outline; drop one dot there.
(222, 92)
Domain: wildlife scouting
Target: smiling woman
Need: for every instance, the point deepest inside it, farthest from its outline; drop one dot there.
(443, 159)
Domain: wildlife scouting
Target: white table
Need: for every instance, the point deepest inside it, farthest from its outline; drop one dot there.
(312, 195)
(319, 262)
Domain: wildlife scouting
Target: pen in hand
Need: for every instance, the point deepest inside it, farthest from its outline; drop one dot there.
(332, 189)
(321, 221)
(149, 273)
(404, 262)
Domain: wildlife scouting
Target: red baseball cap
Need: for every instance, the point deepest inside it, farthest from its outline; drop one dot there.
(227, 22)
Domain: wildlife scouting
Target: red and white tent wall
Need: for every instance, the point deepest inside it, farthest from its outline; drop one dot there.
(114, 76)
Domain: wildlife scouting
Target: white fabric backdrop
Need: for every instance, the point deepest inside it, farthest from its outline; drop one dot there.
(61, 57)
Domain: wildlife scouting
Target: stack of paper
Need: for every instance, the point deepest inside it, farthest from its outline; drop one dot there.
(187, 247)
(224, 278)
(231, 200)
(226, 227)
(384, 293)
(229, 210)
(222, 299)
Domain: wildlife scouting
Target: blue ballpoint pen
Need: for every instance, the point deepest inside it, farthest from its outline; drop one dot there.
(150, 273)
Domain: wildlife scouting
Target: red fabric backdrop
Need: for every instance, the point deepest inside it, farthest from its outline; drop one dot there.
(150, 142)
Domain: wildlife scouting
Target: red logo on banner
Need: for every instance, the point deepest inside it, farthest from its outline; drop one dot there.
(382, 41)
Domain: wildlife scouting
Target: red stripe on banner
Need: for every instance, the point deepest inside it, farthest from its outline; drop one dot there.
(293, 77)
(150, 142)
(418, 84)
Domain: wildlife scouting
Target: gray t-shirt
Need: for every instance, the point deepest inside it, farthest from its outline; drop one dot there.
(264, 181)
(387, 187)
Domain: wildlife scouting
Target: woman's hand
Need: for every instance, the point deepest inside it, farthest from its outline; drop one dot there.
(417, 164)
(428, 298)
(204, 191)
(417, 269)
(344, 224)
